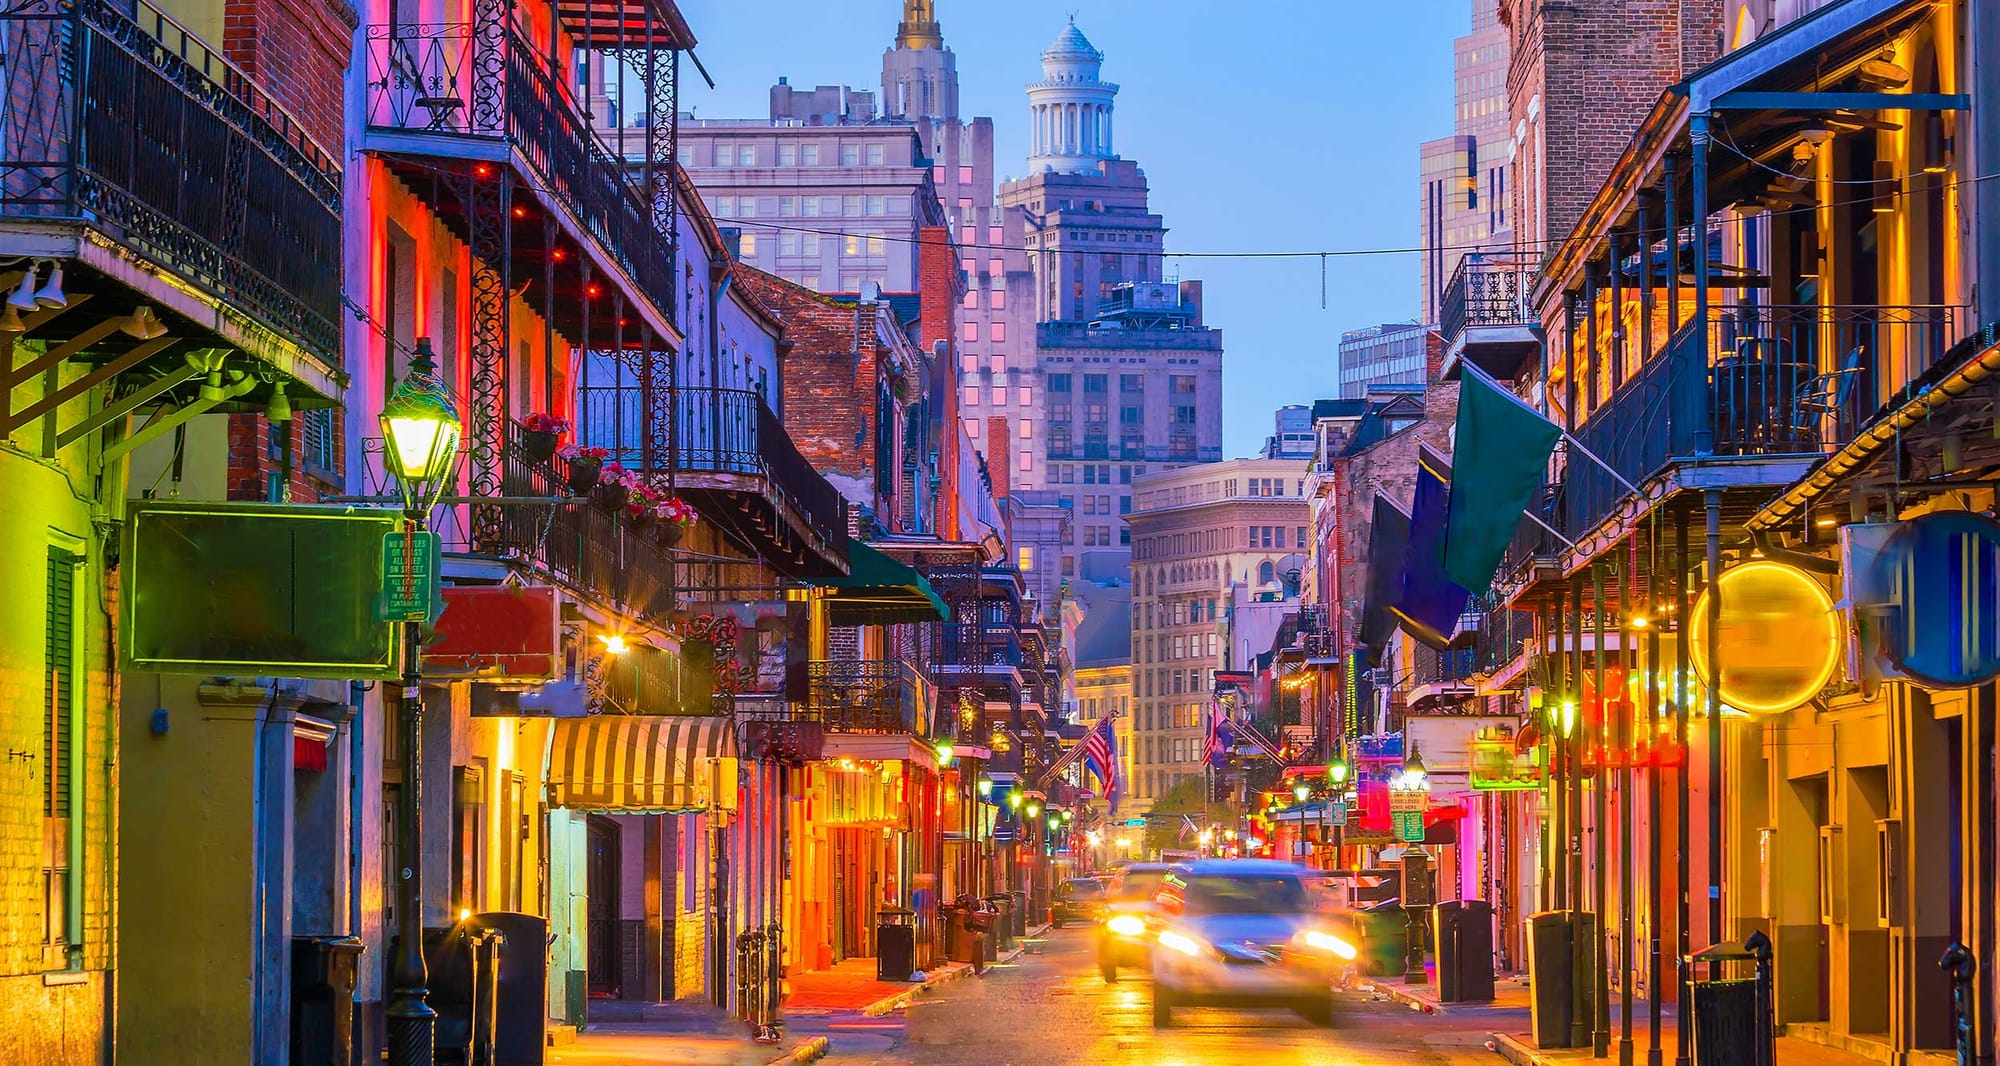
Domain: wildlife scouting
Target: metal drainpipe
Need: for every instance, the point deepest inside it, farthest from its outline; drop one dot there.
(1985, 33)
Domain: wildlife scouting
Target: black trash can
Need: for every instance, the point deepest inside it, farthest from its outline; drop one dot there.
(520, 995)
(1474, 937)
(1003, 920)
(1733, 1021)
(949, 931)
(895, 944)
(1551, 977)
(453, 992)
(1444, 941)
(1385, 936)
(1021, 914)
(323, 974)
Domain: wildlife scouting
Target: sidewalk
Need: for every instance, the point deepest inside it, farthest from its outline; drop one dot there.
(1512, 993)
(657, 1034)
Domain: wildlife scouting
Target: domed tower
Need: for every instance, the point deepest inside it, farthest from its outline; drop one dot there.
(1070, 108)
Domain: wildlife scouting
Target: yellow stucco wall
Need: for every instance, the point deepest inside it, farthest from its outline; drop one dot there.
(54, 1004)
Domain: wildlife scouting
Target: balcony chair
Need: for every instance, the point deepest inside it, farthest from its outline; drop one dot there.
(1825, 397)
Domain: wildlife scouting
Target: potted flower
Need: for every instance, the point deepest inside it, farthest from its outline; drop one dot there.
(541, 435)
(639, 507)
(586, 466)
(613, 486)
(675, 515)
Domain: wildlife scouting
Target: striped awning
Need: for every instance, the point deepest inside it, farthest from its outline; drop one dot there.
(636, 763)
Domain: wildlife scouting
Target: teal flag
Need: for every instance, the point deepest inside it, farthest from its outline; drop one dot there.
(1501, 453)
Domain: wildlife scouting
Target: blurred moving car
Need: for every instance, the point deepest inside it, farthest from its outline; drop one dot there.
(1125, 937)
(1077, 900)
(1248, 933)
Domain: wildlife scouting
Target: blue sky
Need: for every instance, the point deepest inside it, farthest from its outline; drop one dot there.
(1276, 126)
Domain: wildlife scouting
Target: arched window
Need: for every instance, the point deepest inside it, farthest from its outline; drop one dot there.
(1266, 573)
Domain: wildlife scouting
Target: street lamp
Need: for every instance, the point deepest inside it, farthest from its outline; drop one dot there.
(985, 786)
(421, 431)
(1302, 791)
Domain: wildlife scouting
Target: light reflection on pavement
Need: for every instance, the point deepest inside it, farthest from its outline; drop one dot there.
(1052, 1008)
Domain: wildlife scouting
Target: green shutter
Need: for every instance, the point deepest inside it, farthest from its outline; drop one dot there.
(59, 679)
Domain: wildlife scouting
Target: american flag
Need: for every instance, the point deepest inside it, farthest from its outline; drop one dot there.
(1215, 749)
(1100, 756)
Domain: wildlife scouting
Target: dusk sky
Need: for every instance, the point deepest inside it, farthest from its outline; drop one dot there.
(1308, 113)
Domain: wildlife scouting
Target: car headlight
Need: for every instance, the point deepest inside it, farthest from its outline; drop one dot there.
(1329, 942)
(1126, 925)
(1185, 945)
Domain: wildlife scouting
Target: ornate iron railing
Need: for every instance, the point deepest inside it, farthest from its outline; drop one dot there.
(869, 697)
(581, 543)
(717, 431)
(1780, 380)
(439, 78)
(117, 116)
(971, 645)
(1485, 291)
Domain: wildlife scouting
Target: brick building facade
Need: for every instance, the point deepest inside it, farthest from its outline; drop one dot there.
(1580, 76)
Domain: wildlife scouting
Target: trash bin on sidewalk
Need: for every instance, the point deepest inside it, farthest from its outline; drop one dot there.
(323, 975)
(1384, 932)
(1003, 920)
(1475, 952)
(1444, 941)
(895, 944)
(1551, 977)
(461, 971)
(520, 994)
(1020, 912)
(1733, 1021)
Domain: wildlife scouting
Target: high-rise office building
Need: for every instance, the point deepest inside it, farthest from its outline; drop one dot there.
(1197, 535)
(1131, 376)
(1464, 176)
(1389, 354)
(1291, 433)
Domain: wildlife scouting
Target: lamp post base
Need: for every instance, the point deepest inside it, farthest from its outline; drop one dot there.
(412, 1029)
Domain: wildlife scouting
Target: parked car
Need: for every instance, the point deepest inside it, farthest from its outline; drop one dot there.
(1248, 933)
(1078, 900)
(1125, 935)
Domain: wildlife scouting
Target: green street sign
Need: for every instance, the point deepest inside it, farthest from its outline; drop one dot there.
(1409, 826)
(409, 575)
(1336, 812)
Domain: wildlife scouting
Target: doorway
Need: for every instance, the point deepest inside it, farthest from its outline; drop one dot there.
(604, 956)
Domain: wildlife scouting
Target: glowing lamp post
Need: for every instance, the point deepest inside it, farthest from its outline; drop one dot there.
(421, 431)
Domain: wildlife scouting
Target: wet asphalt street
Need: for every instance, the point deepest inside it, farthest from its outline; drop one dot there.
(1052, 1008)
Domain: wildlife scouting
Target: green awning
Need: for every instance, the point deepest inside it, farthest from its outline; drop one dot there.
(879, 591)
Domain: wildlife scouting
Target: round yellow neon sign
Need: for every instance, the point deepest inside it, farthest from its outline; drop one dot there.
(1779, 633)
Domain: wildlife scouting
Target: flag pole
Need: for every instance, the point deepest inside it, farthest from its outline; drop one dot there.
(1568, 438)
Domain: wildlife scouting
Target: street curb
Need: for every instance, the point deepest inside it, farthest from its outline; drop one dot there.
(811, 1051)
(1513, 1050)
(907, 996)
(1404, 996)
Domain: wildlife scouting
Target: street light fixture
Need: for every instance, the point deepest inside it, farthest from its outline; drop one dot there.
(985, 786)
(421, 428)
(1302, 791)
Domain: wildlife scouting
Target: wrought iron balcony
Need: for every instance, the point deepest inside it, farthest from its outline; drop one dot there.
(869, 697)
(974, 648)
(581, 544)
(1779, 381)
(473, 95)
(119, 119)
(1485, 317)
(726, 447)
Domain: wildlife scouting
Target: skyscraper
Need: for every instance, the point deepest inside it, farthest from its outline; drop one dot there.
(1464, 194)
(1131, 376)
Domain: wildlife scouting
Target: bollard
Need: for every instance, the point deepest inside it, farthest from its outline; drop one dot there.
(1959, 964)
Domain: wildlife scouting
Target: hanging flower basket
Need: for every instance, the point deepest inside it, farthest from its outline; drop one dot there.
(670, 533)
(638, 514)
(541, 435)
(612, 492)
(586, 468)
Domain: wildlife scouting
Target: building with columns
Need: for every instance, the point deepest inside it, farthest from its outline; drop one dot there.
(1070, 107)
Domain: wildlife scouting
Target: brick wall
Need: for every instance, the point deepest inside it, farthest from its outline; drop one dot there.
(999, 455)
(1590, 70)
(831, 373)
(940, 287)
(296, 51)
(251, 462)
